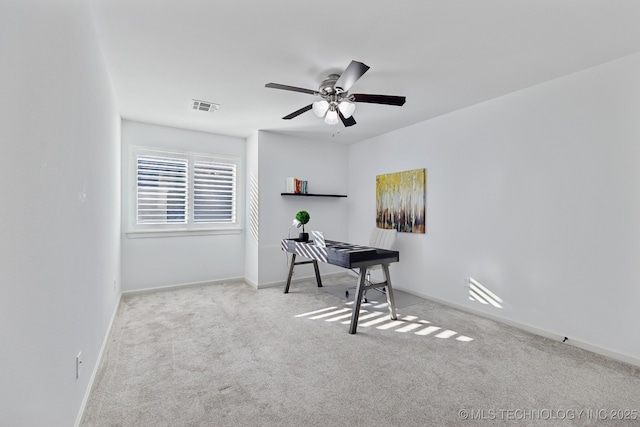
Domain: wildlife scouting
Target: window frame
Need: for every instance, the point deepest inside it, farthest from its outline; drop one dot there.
(135, 230)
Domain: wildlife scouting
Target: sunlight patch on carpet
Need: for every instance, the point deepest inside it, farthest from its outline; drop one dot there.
(380, 320)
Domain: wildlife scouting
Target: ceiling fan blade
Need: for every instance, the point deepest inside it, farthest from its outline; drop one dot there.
(292, 88)
(298, 112)
(379, 99)
(346, 122)
(354, 71)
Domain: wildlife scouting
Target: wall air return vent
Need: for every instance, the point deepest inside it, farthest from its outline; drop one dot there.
(206, 106)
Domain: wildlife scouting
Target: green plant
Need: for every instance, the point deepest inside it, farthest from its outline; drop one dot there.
(303, 217)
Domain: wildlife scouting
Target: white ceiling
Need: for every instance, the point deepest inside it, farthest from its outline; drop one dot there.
(443, 55)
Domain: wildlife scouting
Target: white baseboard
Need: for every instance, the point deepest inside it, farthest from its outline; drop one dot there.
(251, 283)
(96, 367)
(297, 280)
(232, 279)
(183, 285)
(621, 357)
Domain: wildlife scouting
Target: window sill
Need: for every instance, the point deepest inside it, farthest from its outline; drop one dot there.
(143, 234)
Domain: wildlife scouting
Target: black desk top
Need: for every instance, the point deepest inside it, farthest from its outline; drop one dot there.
(342, 254)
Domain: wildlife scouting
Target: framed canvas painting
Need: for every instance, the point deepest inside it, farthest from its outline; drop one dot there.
(401, 201)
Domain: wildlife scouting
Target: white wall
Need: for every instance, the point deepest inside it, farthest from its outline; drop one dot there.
(60, 216)
(324, 166)
(168, 261)
(536, 195)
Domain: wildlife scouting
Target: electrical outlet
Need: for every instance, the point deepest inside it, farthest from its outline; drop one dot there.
(78, 365)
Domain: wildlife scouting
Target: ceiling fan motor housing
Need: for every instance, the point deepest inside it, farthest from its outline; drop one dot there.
(327, 87)
(329, 92)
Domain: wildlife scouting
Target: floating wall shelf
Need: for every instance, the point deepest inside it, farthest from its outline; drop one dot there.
(313, 195)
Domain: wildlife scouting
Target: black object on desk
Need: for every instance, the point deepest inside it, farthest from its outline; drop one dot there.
(346, 255)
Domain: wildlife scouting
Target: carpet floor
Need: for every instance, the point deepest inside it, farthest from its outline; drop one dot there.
(230, 355)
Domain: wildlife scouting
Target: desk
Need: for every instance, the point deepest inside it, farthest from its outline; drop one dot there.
(350, 256)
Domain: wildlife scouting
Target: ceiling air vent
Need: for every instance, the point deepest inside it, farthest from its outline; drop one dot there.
(206, 106)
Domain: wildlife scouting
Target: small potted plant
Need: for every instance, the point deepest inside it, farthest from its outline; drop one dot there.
(303, 217)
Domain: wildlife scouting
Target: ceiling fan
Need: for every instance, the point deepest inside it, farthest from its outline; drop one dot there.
(336, 100)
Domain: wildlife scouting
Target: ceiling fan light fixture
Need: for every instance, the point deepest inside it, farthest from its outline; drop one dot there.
(320, 108)
(347, 108)
(332, 116)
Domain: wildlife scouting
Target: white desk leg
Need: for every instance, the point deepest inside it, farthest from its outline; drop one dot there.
(390, 300)
(357, 301)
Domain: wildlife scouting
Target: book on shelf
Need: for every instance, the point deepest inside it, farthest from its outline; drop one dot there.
(291, 185)
(296, 186)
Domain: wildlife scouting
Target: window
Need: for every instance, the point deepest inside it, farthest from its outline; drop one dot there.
(183, 191)
(214, 192)
(162, 191)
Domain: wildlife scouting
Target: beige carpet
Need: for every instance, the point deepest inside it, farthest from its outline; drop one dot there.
(230, 355)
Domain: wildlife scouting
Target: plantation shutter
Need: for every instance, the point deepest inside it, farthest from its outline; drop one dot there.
(162, 189)
(214, 192)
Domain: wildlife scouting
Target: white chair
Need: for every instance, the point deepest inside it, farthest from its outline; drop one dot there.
(383, 239)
